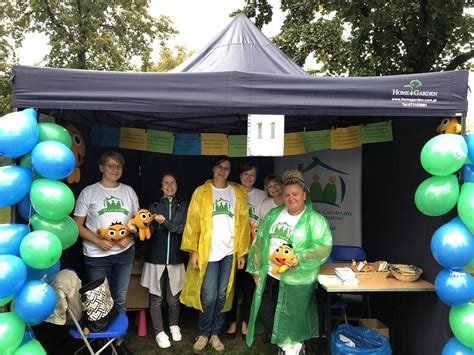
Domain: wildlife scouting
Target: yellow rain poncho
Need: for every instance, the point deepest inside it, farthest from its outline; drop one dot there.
(197, 237)
(296, 316)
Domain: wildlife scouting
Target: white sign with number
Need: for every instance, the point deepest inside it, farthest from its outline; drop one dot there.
(265, 135)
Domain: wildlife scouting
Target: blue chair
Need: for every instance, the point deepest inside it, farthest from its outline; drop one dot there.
(117, 328)
(345, 254)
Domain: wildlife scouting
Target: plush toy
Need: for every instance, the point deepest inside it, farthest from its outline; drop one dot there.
(142, 221)
(449, 125)
(78, 147)
(283, 258)
(114, 232)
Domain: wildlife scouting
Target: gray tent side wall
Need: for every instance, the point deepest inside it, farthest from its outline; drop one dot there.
(240, 93)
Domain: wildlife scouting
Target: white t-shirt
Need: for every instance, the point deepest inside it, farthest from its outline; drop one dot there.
(103, 206)
(266, 206)
(254, 200)
(280, 233)
(223, 220)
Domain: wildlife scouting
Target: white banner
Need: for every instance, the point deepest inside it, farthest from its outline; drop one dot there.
(265, 135)
(334, 180)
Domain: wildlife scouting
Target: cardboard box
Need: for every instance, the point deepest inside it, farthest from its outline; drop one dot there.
(376, 325)
(137, 295)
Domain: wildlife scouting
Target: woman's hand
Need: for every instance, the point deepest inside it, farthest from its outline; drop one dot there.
(241, 262)
(160, 218)
(195, 259)
(132, 228)
(255, 279)
(124, 242)
(104, 244)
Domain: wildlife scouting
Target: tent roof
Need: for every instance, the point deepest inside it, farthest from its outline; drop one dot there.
(241, 46)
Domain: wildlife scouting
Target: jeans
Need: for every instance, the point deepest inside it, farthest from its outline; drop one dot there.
(117, 269)
(156, 301)
(213, 296)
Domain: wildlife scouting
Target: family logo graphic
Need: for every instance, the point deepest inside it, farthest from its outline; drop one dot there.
(113, 204)
(252, 214)
(281, 230)
(222, 206)
(334, 188)
(413, 84)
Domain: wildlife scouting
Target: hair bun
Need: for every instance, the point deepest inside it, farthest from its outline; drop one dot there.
(292, 174)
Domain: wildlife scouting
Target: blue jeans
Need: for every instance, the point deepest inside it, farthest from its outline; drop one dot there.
(213, 295)
(117, 269)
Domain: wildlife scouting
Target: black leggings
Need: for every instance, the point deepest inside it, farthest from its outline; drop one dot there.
(266, 314)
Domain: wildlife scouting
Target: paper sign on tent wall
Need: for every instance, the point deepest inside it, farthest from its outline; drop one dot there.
(106, 136)
(345, 138)
(132, 138)
(377, 132)
(160, 142)
(294, 143)
(317, 140)
(5, 215)
(214, 144)
(187, 144)
(265, 135)
(238, 146)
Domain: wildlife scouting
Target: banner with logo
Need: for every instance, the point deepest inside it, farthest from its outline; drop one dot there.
(334, 179)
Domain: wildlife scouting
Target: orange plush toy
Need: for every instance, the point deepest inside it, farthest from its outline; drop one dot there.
(142, 221)
(283, 258)
(114, 233)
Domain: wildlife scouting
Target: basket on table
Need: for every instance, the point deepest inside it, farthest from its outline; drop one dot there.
(374, 270)
(405, 272)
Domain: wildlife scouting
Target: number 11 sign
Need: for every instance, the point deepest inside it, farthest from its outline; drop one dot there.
(265, 135)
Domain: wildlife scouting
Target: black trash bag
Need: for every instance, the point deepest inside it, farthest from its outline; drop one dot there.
(364, 340)
(98, 308)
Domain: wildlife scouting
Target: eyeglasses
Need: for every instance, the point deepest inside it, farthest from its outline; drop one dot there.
(225, 168)
(114, 166)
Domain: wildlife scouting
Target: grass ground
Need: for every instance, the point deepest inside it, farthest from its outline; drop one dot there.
(147, 345)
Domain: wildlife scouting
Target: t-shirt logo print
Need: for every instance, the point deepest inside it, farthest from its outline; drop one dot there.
(281, 230)
(222, 206)
(113, 204)
(252, 214)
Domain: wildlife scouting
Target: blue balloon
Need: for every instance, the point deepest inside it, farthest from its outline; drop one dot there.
(25, 210)
(15, 182)
(34, 302)
(11, 236)
(12, 275)
(468, 173)
(53, 160)
(452, 244)
(455, 347)
(47, 275)
(454, 287)
(19, 133)
(470, 147)
(29, 334)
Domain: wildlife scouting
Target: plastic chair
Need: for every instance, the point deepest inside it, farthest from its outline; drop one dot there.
(346, 253)
(117, 328)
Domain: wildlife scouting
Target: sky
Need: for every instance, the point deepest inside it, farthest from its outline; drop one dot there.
(197, 21)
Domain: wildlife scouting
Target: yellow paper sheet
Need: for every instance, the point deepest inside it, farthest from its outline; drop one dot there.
(214, 144)
(294, 143)
(132, 138)
(345, 138)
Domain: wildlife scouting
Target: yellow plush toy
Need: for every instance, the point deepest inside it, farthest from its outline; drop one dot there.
(283, 258)
(114, 232)
(142, 221)
(449, 125)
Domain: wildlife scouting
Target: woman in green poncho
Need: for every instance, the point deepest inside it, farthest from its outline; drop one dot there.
(284, 299)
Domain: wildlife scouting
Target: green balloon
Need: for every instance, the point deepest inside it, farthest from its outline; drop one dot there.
(12, 330)
(437, 195)
(65, 229)
(32, 347)
(51, 199)
(25, 161)
(40, 249)
(466, 205)
(5, 300)
(461, 321)
(444, 154)
(54, 132)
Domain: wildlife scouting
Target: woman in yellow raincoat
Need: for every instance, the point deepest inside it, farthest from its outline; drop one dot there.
(292, 242)
(217, 237)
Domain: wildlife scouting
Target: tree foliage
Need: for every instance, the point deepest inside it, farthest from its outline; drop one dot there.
(169, 58)
(375, 37)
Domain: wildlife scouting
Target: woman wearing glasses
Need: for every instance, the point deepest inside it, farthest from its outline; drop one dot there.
(217, 237)
(102, 205)
(292, 242)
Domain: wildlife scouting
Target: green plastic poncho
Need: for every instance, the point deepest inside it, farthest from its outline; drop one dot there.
(296, 316)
